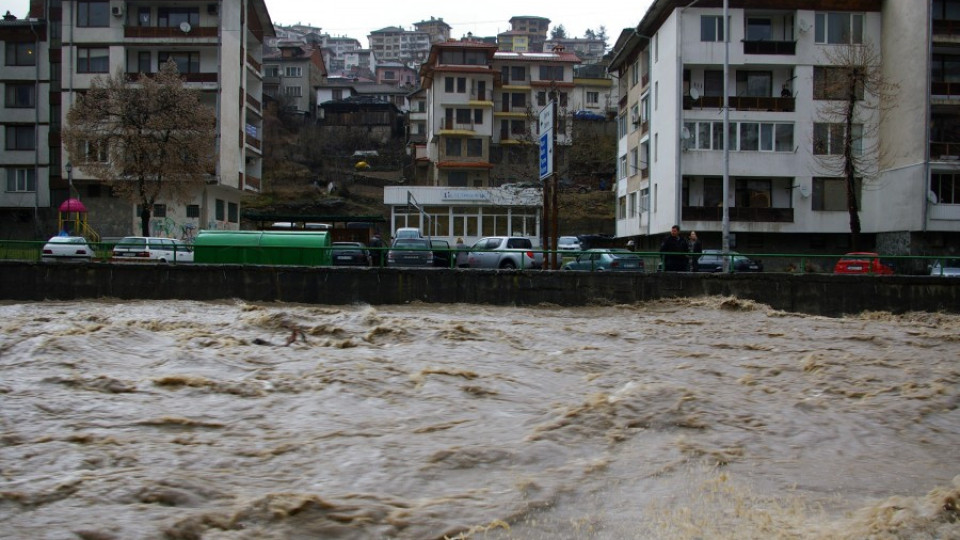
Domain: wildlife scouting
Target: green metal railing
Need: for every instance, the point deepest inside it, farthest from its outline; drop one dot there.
(793, 263)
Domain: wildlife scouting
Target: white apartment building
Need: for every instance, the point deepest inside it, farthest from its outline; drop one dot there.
(670, 152)
(218, 49)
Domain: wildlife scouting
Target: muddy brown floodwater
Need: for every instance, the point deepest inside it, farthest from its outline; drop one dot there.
(707, 418)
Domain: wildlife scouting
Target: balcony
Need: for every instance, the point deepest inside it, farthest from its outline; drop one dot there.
(447, 124)
(944, 151)
(253, 102)
(168, 32)
(737, 213)
(946, 28)
(742, 103)
(948, 89)
(187, 77)
(784, 48)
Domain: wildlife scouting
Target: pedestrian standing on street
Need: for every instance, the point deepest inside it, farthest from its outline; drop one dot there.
(696, 248)
(674, 250)
(461, 254)
(376, 245)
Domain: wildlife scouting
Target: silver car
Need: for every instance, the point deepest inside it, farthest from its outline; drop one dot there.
(504, 252)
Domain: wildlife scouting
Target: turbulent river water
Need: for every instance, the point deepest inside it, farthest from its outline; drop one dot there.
(706, 418)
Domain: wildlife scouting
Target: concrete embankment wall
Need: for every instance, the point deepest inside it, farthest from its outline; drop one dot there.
(820, 294)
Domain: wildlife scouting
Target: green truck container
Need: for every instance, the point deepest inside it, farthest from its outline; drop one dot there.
(298, 248)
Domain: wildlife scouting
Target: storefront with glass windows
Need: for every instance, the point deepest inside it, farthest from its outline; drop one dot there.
(449, 213)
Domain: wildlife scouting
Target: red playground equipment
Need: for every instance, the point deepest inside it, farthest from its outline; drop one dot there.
(72, 220)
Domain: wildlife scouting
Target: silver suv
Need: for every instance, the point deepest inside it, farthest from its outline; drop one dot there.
(507, 252)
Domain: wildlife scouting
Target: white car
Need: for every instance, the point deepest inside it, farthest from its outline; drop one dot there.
(151, 249)
(569, 243)
(946, 268)
(67, 249)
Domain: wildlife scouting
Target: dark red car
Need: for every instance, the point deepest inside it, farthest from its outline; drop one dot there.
(862, 263)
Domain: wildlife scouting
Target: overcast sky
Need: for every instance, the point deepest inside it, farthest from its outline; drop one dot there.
(357, 18)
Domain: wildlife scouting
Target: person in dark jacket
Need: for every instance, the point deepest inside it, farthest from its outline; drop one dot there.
(696, 248)
(376, 252)
(674, 244)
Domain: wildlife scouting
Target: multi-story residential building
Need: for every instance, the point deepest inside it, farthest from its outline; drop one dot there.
(396, 74)
(394, 44)
(342, 53)
(526, 34)
(482, 109)
(593, 90)
(291, 76)
(671, 154)
(589, 50)
(916, 209)
(438, 30)
(79, 40)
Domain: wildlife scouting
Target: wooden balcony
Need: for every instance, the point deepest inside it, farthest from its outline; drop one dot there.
(783, 48)
(256, 65)
(742, 103)
(758, 215)
(253, 102)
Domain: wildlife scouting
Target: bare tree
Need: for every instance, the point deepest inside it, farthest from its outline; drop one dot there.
(149, 140)
(854, 94)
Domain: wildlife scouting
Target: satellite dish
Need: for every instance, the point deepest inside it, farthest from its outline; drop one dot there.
(694, 93)
(932, 197)
(804, 192)
(685, 133)
(184, 27)
(803, 24)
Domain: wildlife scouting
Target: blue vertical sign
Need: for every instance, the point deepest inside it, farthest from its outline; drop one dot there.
(546, 140)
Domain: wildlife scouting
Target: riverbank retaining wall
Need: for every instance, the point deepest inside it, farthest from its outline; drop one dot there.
(819, 294)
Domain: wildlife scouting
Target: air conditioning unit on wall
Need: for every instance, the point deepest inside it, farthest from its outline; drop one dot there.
(117, 11)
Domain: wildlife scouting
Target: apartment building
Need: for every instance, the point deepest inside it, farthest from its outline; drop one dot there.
(292, 72)
(589, 50)
(65, 44)
(438, 30)
(527, 34)
(394, 44)
(670, 153)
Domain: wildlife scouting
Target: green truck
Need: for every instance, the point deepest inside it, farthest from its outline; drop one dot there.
(298, 248)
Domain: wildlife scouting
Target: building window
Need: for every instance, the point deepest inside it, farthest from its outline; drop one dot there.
(463, 116)
(713, 82)
(193, 210)
(21, 180)
(21, 137)
(551, 73)
(838, 28)
(475, 147)
(753, 193)
(271, 71)
(219, 210)
(93, 13)
(834, 83)
(457, 178)
(593, 98)
(173, 17)
(632, 205)
(21, 54)
(711, 28)
(390, 75)
(828, 139)
(337, 94)
(293, 91)
(160, 210)
(454, 147)
(754, 83)
(830, 194)
(518, 101)
(187, 62)
(634, 73)
(293, 71)
(233, 212)
(143, 16)
(20, 96)
(143, 62)
(644, 200)
(478, 116)
(93, 60)
(94, 151)
(622, 208)
(946, 186)
(759, 29)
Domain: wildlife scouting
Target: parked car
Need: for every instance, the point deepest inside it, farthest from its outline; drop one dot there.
(67, 249)
(152, 249)
(711, 260)
(569, 243)
(606, 260)
(349, 254)
(862, 263)
(407, 232)
(946, 268)
(505, 252)
(407, 252)
(441, 253)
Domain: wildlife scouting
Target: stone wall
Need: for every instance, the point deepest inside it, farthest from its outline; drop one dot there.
(820, 294)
